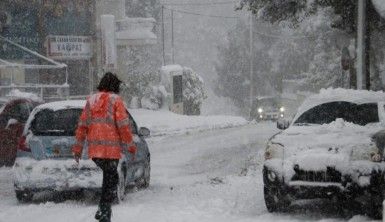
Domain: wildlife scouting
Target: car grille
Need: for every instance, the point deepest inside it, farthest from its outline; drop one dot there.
(330, 175)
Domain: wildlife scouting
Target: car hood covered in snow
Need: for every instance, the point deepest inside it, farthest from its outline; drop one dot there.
(341, 145)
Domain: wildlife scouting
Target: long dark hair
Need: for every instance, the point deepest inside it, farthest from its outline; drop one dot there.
(109, 83)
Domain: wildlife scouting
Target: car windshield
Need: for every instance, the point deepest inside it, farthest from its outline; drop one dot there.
(268, 102)
(361, 114)
(61, 123)
(55, 123)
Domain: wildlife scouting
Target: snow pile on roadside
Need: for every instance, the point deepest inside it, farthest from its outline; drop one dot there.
(164, 122)
(217, 105)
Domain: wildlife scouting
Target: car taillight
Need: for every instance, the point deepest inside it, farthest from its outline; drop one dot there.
(23, 144)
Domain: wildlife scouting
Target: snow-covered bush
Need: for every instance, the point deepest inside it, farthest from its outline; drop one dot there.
(154, 97)
(192, 87)
(193, 92)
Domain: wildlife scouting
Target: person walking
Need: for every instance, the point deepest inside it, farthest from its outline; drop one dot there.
(104, 125)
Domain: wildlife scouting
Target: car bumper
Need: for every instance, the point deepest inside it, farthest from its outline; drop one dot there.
(58, 175)
(270, 116)
(347, 188)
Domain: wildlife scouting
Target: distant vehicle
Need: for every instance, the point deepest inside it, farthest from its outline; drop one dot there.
(14, 113)
(45, 162)
(267, 108)
(329, 151)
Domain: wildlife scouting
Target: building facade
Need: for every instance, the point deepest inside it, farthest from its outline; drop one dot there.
(62, 30)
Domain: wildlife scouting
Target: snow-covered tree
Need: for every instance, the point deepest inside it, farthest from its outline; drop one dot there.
(233, 66)
(343, 17)
(141, 62)
(193, 92)
(319, 47)
(143, 8)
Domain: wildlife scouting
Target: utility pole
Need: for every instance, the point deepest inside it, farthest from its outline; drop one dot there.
(164, 57)
(363, 72)
(172, 37)
(251, 62)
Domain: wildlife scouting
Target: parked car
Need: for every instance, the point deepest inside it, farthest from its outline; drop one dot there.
(14, 113)
(267, 108)
(329, 151)
(45, 162)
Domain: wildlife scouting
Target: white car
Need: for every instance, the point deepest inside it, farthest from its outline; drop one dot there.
(44, 159)
(329, 151)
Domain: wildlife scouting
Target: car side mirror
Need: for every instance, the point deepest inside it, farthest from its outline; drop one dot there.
(143, 131)
(11, 122)
(379, 139)
(283, 124)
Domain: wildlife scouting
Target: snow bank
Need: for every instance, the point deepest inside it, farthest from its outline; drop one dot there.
(164, 122)
(161, 122)
(217, 105)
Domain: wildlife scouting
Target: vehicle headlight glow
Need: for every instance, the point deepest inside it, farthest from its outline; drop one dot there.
(282, 109)
(274, 150)
(260, 110)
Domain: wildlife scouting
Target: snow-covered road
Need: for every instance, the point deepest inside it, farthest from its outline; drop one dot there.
(207, 176)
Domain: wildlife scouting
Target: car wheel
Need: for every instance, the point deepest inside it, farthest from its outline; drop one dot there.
(377, 193)
(24, 196)
(146, 178)
(374, 210)
(121, 190)
(145, 181)
(275, 200)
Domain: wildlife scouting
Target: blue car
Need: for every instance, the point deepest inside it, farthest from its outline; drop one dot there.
(44, 159)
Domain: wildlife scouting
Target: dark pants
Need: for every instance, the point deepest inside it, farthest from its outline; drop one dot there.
(110, 179)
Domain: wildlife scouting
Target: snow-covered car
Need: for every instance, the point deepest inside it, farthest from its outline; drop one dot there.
(267, 108)
(329, 151)
(45, 162)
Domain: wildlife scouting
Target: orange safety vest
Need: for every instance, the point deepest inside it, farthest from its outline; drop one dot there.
(104, 123)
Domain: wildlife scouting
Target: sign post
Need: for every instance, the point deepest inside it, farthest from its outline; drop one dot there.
(361, 46)
(69, 47)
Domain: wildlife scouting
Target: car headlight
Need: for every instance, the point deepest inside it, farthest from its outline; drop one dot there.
(274, 150)
(375, 154)
(370, 153)
(260, 110)
(375, 157)
(282, 109)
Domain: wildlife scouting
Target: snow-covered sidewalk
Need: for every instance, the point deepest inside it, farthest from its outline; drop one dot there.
(164, 122)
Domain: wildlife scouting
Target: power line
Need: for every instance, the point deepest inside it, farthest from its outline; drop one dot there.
(201, 4)
(199, 14)
(292, 37)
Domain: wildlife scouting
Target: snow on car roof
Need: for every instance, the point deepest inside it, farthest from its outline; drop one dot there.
(15, 93)
(65, 104)
(339, 94)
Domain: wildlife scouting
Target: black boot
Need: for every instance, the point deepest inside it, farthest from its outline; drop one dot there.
(105, 212)
(98, 213)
